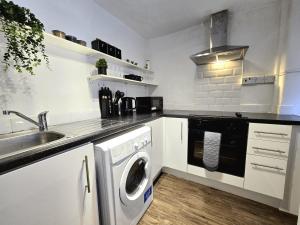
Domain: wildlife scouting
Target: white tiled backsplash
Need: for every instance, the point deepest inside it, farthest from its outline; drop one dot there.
(219, 87)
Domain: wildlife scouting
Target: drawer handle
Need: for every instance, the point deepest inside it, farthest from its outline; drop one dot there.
(265, 166)
(263, 132)
(269, 150)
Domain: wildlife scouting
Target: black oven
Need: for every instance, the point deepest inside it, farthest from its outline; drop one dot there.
(233, 147)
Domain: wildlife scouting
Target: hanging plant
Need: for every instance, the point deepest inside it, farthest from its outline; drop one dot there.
(24, 37)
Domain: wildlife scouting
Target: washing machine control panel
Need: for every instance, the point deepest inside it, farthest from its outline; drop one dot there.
(125, 149)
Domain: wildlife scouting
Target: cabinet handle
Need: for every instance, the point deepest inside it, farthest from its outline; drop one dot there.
(88, 186)
(181, 132)
(265, 166)
(269, 150)
(263, 132)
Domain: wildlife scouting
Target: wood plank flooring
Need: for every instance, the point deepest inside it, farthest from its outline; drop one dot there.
(180, 202)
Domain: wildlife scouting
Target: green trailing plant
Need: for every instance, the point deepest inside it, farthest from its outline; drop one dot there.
(24, 37)
(101, 63)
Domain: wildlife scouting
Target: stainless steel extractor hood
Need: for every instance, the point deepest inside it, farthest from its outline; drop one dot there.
(219, 50)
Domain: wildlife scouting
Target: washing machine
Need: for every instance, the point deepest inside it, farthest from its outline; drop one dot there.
(123, 167)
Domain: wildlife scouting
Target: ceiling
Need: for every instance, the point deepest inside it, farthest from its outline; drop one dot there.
(154, 18)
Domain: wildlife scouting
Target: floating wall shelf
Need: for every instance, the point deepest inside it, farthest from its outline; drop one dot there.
(119, 79)
(65, 44)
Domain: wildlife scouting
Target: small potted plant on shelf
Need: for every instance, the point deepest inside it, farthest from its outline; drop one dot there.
(101, 64)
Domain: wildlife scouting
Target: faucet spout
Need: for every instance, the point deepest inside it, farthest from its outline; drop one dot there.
(42, 124)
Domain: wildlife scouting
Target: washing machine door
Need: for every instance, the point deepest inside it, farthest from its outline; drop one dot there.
(135, 179)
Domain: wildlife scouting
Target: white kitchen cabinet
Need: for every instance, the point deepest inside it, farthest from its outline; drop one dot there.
(176, 143)
(267, 156)
(157, 144)
(52, 191)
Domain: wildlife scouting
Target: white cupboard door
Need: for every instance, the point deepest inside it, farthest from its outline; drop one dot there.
(176, 135)
(157, 145)
(51, 191)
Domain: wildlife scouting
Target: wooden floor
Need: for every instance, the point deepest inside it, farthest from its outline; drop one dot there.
(181, 202)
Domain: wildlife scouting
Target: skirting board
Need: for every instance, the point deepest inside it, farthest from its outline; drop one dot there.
(227, 188)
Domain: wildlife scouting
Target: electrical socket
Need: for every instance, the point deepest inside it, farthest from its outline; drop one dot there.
(270, 79)
(258, 80)
(249, 80)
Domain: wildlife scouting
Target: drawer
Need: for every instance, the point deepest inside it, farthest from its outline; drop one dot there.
(265, 175)
(268, 148)
(270, 131)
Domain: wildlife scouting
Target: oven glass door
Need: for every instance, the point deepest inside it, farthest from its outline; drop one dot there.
(232, 151)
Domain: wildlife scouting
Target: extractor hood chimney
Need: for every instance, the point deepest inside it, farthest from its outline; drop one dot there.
(219, 50)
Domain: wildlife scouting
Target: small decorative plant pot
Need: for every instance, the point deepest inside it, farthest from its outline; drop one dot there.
(102, 70)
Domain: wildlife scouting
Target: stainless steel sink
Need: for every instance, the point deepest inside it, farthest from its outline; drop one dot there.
(13, 143)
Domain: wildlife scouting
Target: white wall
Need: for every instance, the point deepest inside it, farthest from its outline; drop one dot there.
(258, 26)
(289, 101)
(64, 89)
(289, 97)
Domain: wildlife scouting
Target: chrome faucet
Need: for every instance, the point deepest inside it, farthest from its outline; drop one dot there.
(42, 124)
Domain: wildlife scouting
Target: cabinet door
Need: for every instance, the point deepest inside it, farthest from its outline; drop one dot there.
(157, 144)
(52, 191)
(176, 134)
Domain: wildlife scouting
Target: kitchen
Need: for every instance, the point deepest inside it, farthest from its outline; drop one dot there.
(54, 176)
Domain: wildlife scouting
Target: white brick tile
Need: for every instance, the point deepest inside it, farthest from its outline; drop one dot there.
(200, 75)
(235, 101)
(238, 71)
(201, 94)
(231, 94)
(233, 64)
(216, 80)
(233, 79)
(212, 87)
(232, 108)
(205, 101)
(202, 87)
(202, 81)
(214, 73)
(224, 87)
(223, 101)
(216, 107)
(236, 86)
(200, 107)
(216, 94)
(217, 66)
(203, 67)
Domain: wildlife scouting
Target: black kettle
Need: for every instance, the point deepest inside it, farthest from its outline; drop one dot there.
(127, 106)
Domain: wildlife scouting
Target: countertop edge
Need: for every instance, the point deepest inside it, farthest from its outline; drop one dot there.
(18, 161)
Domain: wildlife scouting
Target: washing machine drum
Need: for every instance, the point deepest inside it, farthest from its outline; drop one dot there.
(135, 181)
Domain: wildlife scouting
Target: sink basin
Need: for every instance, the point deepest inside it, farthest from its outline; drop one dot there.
(13, 143)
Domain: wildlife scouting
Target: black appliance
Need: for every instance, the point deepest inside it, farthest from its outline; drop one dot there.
(118, 96)
(105, 102)
(133, 77)
(233, 142)
(111, 50)
(149, 104)
(127, 106)
(118, 53)
(100, 46)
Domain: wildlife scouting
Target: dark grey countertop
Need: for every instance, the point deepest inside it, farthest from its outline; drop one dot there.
(82, 132)
(251, 117)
